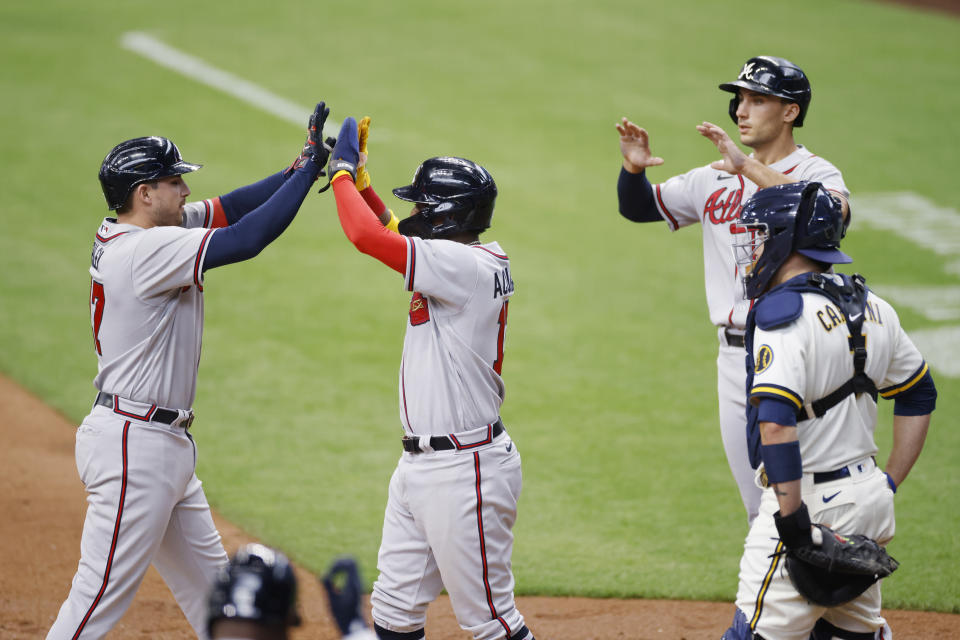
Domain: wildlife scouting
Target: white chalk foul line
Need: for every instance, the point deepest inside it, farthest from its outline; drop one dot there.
(936, 228)
(233, 85)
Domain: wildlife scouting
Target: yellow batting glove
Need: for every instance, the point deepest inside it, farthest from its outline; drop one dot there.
(363, 130)
(394, 223)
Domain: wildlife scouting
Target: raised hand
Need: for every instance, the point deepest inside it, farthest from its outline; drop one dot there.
(734, 160)
(635, 147)
(346, 153)
(345, 594)
(313, 147)
(363, 177)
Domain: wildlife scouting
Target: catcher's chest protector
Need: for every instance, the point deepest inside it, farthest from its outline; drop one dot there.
(782, 306)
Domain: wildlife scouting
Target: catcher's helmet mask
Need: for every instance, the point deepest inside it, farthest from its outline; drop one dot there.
(453, 195)
(258, 585)
(771, 76)
(799, 217)
(136, 161)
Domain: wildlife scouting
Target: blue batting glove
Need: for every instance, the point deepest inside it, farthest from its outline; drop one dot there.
(346, 153)
(893, 485)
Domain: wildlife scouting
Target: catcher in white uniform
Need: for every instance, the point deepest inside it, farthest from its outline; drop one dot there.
(823, 347)
(453, 497)
(771, 98)
(134, 451)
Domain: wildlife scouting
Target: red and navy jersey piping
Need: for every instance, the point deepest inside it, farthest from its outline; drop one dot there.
(109, 238)
(197, 273)
(666, 212)
(494, 254)
(413, 263)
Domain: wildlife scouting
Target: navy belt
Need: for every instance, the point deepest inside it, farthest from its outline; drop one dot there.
(827, 476)
(411, 444)
(733, 339)
(158, 414)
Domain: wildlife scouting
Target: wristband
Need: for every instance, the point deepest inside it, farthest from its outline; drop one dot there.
(394, 225)
(782, 461)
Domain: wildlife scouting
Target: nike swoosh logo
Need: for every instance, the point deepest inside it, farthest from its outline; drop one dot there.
(855, 317)
(510, 447)
(724, 177)
(827, 499)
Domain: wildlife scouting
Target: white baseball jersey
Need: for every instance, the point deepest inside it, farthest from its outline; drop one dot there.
(146, 294)
(809, 358)
(145, 503)
(714, 198)
(802, 362)
(449, 518)
(453, 349)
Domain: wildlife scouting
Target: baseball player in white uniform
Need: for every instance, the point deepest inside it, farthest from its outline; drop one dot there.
(822, 347)
(453, 496)
(134, 451)
(771, 98)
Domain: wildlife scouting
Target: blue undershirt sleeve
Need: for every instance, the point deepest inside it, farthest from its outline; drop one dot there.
(918, 400)
(635, 194)
(781, 412)
(243, 200)
(248, 236)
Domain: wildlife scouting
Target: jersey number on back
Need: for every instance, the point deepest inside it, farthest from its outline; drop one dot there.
(502, 321)
(96, 311)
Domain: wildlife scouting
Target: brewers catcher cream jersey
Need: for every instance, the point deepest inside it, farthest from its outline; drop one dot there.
(806, 360)
(146, 293)
(453, 349)
(714, 198)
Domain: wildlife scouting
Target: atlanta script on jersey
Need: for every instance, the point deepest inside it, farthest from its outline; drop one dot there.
(714, 198)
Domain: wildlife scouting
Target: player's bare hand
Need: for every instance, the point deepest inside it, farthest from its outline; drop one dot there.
(734, 160)
(635, 147)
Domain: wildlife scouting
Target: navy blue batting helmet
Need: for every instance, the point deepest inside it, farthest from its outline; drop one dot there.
(258, 585)
(775, 77)
(456, 195)
(139, 160)
(799, 217)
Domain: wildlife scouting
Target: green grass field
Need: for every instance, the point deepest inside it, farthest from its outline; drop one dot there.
(610, 362)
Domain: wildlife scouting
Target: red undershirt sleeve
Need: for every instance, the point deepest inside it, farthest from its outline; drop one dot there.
(362, 227)
(373, 200)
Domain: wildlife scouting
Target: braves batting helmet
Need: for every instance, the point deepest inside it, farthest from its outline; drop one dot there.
(799, 217)
(136, 161)
(774, 77)
(456, 195)
(257, 585)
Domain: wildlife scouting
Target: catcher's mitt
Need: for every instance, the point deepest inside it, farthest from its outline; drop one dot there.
(835, 569)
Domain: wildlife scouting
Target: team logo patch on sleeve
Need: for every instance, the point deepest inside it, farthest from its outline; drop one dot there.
(419, 311)
(764, 359)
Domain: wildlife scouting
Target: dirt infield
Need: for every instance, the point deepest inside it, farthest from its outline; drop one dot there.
(43, 505)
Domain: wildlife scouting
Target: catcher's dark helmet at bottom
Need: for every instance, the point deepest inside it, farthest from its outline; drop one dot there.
(456, 195)
(258, 585)
(136, 161)
(798, 217)
(775, 77)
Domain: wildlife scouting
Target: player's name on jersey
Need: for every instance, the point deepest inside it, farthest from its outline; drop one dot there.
(502, 282)
(831, 318)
